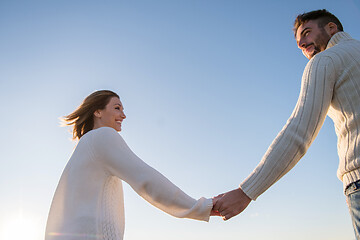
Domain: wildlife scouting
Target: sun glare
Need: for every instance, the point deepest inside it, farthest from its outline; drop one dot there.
(21, 228)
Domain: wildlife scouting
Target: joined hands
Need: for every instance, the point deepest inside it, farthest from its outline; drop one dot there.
(230, 204)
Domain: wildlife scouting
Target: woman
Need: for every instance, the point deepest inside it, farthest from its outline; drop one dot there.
(88, 202)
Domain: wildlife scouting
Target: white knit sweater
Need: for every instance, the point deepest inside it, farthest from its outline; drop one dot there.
(330, 85)
(88, 202)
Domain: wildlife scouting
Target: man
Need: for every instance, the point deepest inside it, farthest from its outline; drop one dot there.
(330, 86)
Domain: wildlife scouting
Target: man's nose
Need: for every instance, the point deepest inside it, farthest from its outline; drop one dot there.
(301, 44)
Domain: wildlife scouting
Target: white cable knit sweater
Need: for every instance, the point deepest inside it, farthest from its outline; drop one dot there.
(88, 202)
(330, 85)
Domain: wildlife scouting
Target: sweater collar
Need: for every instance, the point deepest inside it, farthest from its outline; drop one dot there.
(338, 37)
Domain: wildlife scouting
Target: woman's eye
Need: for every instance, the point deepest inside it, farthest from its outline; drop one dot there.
(117, 108)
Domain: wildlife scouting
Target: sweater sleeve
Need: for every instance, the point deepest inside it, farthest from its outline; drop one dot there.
(114, 154)
(294, 139)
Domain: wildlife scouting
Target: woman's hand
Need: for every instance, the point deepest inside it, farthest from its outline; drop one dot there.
(215, 212)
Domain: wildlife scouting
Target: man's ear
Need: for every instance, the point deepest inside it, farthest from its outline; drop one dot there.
(331, 28)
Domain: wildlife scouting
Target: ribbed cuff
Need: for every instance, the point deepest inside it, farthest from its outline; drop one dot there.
(248, 192)
(350, 177)
(209, 205)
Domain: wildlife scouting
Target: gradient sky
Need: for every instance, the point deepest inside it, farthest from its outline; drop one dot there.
(206, 86)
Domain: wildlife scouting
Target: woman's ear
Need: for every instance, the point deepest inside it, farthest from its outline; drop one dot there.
(97, 113)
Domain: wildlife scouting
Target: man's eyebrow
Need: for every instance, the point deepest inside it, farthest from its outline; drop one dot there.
(118, 104)
(304, 30)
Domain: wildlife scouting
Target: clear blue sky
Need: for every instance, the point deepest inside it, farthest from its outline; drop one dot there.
(206, 87)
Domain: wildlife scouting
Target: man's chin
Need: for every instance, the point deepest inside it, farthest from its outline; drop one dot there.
(310, 55)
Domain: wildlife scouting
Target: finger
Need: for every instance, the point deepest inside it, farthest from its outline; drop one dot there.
(227, 216)
(214, 200)
(214, 213)
(225, 212)
(217, 206)
(218, 197)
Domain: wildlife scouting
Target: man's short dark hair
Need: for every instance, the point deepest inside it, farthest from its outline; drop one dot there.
(323, 17)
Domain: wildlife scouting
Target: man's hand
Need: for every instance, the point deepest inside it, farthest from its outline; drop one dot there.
(231, 203)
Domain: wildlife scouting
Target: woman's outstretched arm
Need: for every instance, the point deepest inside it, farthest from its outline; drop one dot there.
(117, 158)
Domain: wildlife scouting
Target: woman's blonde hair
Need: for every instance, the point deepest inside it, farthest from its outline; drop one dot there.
(82, 118)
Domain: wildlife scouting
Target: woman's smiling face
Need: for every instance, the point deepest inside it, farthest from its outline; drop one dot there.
(111, 116)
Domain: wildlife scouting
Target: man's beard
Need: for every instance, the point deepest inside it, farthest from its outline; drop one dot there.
(320, 43)
(315, 51)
